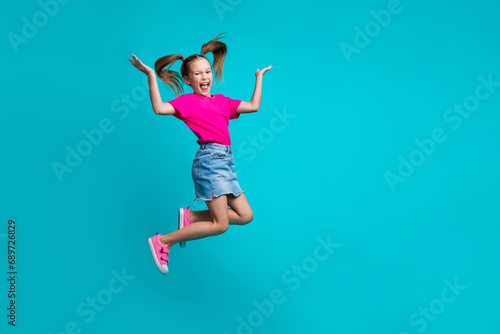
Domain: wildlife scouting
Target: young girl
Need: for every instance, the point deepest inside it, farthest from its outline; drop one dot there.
(208, 117)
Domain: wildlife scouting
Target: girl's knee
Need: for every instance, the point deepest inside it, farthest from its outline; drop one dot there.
(247, 217)
(224, 228)
(220, 228)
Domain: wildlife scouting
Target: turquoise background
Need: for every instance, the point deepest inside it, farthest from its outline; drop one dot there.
(320, 175)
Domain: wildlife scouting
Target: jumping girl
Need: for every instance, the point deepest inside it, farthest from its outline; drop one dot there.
(208, 117)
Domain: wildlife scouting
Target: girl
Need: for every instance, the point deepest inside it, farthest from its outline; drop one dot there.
(208, 117)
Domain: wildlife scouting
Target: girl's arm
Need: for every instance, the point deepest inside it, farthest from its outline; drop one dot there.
(159, 107)
(254, 104)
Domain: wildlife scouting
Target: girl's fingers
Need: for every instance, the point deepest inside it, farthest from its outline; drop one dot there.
(136, 59)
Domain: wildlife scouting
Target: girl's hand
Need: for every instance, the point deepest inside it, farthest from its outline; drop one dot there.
(140, 66)
(264, 70)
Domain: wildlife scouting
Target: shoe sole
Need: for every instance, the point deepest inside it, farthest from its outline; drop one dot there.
(152, 247)
(181, 225)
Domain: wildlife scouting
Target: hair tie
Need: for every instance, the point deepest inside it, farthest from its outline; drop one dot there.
(183, 59)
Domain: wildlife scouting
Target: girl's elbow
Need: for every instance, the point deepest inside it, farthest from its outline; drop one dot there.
(158, 111)
(254, 108)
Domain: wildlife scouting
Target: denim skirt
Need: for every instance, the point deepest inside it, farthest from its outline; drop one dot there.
(213, 172)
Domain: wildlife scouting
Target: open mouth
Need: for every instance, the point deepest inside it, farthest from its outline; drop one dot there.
(204, 86)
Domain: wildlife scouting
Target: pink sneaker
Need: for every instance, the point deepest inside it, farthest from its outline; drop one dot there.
(160, 253)
(184, 221)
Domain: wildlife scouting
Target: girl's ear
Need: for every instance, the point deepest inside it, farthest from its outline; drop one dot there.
(186, 80)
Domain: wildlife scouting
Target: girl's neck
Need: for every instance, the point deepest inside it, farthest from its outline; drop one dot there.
(211, 96)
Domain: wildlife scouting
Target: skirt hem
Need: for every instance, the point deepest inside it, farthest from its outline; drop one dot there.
(215, 196)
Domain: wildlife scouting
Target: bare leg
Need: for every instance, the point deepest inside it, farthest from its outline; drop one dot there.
(216, 224)
(240, 212)
(204, 215)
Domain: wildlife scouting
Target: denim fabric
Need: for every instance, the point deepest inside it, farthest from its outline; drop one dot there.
(213, 172)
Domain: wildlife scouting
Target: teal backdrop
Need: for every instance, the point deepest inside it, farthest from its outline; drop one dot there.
(372, 168)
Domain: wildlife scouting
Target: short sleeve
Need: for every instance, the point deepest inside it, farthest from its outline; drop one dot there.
(181, 104)
(233, 106)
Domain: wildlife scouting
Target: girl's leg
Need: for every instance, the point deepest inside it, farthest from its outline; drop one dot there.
(216, 224)
(240, 212)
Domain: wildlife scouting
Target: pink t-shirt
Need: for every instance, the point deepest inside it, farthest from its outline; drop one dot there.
(207, 117)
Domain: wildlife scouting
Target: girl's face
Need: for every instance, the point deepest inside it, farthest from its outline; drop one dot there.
(200, 77)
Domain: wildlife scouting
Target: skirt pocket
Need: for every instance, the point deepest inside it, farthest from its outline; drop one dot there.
(218, 154)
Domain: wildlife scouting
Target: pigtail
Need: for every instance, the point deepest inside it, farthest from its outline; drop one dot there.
(219, 51)
(171, 78)
(174, 80)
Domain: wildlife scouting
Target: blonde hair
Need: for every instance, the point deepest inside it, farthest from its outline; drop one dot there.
(174, 80)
